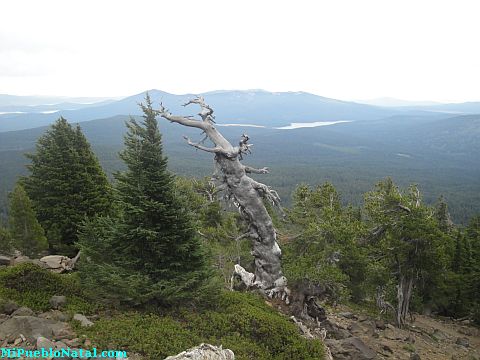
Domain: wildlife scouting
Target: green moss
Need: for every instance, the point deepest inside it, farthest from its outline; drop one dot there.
(240, 322)
(31, 286)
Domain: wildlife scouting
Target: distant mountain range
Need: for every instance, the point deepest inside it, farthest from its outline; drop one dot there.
(393, 102)
(231, 106)
(237, 107)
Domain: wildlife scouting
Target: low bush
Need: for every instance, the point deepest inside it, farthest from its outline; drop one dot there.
(240, 322)
(29, 285)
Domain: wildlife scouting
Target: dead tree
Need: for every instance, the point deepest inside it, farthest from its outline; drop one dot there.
(231, 177)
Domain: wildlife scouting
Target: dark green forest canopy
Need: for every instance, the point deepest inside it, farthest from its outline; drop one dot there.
(439, 155)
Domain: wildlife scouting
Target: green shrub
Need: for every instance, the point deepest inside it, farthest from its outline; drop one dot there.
(240, 322)
(31, 286)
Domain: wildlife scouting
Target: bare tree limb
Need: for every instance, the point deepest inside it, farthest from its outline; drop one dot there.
(215, 150)
(183, 120)
(252, 170)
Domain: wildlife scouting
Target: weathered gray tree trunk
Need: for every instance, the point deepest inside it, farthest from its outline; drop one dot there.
(404, 294)
(245, 193)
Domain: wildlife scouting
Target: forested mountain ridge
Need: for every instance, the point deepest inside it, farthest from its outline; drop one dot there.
(436, 150)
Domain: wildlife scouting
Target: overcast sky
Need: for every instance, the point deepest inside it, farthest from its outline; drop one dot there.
(415, 50)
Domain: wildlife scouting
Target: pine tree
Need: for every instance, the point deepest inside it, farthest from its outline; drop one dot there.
(408, 242)
(154, 254)
(473, 283)
(5, 241)
(66, 184)
(443, 215)
(26, 232)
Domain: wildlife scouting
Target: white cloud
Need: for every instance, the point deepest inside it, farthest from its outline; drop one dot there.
(344, 49)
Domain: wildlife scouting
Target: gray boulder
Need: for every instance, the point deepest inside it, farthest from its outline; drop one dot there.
(83, 320)
(463, 341)
(54, 315)
(9, 307)
(44, 343)
(438, 335)
(57, 302)
(31, 327)
(347, 315)
(352, 349)
(23, 311)
(4, 317)
(20, 260)
(5, 260)
(204, 352)
(380, 324)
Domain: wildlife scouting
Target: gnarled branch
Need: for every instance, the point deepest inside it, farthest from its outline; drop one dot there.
(252, 170)
(216, 149)
(183, 120)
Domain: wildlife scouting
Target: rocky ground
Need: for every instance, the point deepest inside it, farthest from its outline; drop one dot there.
(347, 334)
(22, 328)
(353, 336)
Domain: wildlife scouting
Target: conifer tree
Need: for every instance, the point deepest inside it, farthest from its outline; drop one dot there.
(151, 253)
(407, 240)
(26, 233)
(443, 215)
(66, 184)
(5, 241)
(473, 236)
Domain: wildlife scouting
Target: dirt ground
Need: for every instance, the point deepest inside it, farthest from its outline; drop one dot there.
(431, 338)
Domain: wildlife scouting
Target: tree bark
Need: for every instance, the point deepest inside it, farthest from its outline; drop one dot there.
(404, 294)
(245, 193)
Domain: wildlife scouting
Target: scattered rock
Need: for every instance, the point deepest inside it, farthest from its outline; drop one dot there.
(462, 341)
(356, 329)
(3, 317)
(467, 331)
(20, 260)
(57, 302)
(380, 324)
(31, 327)
(5, 260)
(55, 315)
(351, 348)
(56, 263)
(438, 335)
(23, 311)
(83, 320)
(334, 331)
(44, 343)
(414, 356)
(204, 352)
(63, 333)
(9, 307)
(73, 342)
(395, 334)
(362, 318)
(61, 345)
(410, 339)
(347, 315)
(387, 348)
